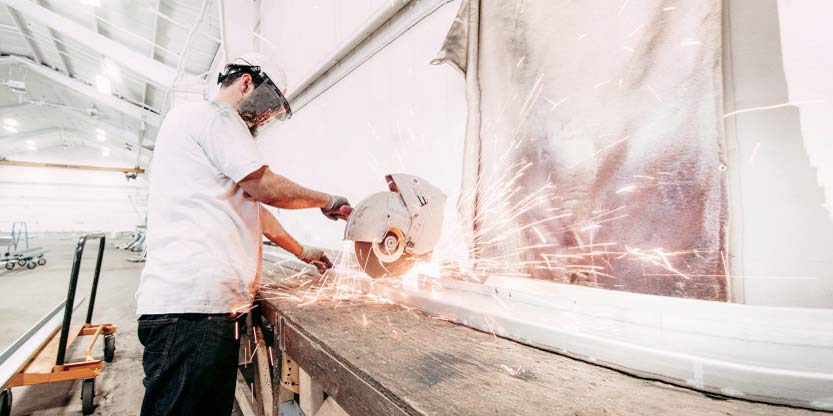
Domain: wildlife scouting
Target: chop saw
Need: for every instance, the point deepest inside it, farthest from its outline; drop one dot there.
(392, 230)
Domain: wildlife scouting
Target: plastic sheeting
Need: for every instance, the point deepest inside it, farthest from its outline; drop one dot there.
(594, 142)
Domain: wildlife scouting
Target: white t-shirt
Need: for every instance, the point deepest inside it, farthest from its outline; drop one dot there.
(204, 232)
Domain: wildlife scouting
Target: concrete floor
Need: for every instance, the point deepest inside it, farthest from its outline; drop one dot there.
(29, 294)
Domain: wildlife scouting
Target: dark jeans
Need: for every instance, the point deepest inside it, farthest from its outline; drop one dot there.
(190, 364)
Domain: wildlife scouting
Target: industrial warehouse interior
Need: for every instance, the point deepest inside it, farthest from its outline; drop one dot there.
(416, 207)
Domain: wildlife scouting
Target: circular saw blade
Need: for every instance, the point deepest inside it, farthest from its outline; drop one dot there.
(376, 268)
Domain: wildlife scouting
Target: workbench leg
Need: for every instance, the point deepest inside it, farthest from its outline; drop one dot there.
(311, 394)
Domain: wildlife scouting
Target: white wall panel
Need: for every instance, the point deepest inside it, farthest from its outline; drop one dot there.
(304, 32)
(780, 163)
(65, 200)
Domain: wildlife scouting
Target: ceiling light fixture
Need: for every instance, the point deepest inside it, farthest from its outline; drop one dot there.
(32, 147)
(30, 142)
(102, 83)
(110, 69)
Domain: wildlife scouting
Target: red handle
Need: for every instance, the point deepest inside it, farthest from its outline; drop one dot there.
(344, 212)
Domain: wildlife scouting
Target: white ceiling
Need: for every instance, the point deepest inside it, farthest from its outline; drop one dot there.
(59, 66)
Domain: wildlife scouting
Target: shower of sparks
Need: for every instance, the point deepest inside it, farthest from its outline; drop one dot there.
(654, 93)
(514, 372)
(624, 5)
(773, 107)
(635, 31)
(266, 41)
(555, 104)
(601, 84)
(520, 61)
(754, 153)
(629, 188)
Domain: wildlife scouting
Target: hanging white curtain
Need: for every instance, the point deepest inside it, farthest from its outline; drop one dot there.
(594, 142)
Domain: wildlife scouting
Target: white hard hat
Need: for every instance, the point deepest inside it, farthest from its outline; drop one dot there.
(267, 66)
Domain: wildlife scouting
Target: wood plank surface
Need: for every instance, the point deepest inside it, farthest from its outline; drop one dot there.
(404, 362)
(45, 361)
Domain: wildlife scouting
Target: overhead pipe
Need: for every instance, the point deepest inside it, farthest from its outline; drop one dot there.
(376, 21)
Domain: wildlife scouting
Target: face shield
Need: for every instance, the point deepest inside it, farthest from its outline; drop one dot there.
(264, 104)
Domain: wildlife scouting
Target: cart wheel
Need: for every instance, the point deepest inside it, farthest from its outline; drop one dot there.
(109, 347)
(41, 261)
(87, 395)
(21, 262)
(6, 402)
(31, 265)
(9, 265)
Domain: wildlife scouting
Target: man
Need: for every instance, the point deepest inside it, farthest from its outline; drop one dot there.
(205, 228)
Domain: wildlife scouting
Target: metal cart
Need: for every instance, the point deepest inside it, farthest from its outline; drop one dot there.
(48, 363)
(18, 252)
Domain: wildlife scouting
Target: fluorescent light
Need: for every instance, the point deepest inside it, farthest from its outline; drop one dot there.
(110, 69)
(32, 147)
(10, 122)
(103, 84)
(30, 142)
(10, 129)
(94, 3)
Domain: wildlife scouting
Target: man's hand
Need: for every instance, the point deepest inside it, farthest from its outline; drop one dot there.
(315, 257)
(334, 209)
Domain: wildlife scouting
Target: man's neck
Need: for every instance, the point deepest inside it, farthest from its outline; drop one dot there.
(227, 96)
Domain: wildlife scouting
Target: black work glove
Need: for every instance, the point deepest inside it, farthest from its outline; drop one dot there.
(315, 257)
(337, 208)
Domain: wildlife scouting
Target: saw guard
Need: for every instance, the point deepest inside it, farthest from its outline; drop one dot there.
(425, 204)
(411, 213)
(375, 215)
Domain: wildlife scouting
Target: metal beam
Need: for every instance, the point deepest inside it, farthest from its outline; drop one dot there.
(16, 137)
(79, 87)
(5, 162)
(18, 22)
(153, 70)
(53, 36)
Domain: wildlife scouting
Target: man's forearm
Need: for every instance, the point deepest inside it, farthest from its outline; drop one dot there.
(278, 191)
(274, 231)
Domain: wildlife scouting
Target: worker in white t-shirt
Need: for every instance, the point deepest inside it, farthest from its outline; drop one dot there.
(205, 228)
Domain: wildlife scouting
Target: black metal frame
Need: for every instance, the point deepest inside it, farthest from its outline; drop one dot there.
(73, 285)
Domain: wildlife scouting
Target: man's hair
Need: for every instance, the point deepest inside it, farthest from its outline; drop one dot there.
(231, 78)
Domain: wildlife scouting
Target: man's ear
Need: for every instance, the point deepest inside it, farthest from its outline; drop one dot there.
(245, 82)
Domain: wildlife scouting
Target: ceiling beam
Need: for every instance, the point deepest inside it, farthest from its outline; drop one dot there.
(15, 137)
(6, 162)
(151, 69)
(79, 87)
(18, 22)
(61, 57)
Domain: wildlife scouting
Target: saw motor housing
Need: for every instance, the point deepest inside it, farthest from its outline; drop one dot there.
(392, 230)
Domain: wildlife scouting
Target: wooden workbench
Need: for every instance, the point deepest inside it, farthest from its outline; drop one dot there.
(383, 359)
